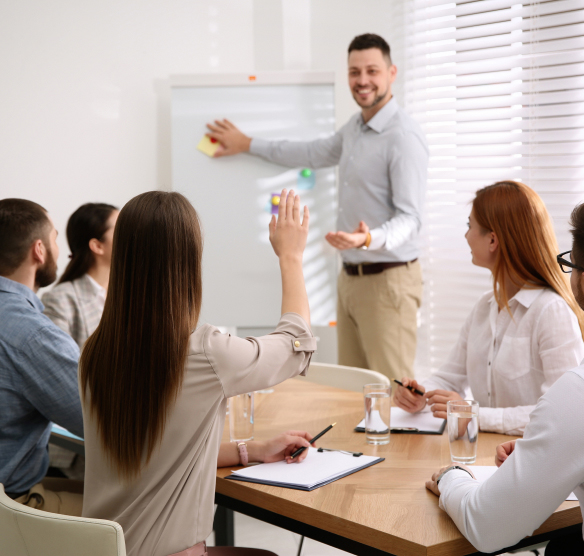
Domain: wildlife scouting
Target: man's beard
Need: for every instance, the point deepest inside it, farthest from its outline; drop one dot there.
(375, 102)
(46, 274)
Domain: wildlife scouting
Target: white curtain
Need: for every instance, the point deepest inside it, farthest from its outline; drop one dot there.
(498, 87)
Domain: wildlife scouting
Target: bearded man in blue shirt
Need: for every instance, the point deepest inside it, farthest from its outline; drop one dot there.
(38, 363)
(383, 162)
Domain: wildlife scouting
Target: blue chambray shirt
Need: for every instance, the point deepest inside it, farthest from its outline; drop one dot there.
(38, 384)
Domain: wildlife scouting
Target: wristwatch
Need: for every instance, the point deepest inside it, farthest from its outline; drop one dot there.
(365, 246)
(450, 469)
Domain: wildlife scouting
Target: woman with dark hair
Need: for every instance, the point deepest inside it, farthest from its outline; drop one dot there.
(154, 381)
(521, 336)
(75, 304)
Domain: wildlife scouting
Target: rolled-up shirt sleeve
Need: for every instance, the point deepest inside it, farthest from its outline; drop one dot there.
(249, 364)
(544, 468)
(408, 174)
(320, 153)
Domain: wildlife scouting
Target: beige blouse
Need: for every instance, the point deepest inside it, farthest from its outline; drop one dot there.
(169, 507)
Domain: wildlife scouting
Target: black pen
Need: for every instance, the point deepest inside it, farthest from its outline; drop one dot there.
(410, 388)
(300, 450)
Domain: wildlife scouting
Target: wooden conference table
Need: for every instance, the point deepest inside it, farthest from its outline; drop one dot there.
(384, 509)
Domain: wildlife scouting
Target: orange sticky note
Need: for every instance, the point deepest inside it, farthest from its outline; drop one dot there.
(208, 146)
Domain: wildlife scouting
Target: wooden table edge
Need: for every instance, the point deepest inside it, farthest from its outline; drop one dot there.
(568, 517)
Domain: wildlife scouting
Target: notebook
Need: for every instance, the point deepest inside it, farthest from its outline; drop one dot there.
(408, 423)
(318, 469)
(483, 472)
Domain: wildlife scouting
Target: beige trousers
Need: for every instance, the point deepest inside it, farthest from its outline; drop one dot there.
(58, 496)
(377, 319)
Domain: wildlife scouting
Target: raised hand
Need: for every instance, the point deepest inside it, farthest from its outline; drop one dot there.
(288, 232)
(231, 140)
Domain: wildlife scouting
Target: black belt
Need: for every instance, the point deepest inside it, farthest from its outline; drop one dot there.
(373, 268)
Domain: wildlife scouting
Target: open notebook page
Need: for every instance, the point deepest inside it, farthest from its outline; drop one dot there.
(318, 467)
(401, 419)
(483, 472)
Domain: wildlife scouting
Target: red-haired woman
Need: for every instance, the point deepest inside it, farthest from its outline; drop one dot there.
(520, 337)
(154, 383)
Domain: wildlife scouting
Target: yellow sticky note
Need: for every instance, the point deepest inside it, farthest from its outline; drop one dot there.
(207, 147)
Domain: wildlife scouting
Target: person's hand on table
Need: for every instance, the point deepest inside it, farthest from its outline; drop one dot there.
(432, 484)
(437, 400)
(231, 140)
(504, 451)
(281, 447)
(346, 240)
(406, 399)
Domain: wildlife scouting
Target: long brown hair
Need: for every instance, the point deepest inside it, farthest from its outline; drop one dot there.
(527, 243)
(89, 221)
(132, 367)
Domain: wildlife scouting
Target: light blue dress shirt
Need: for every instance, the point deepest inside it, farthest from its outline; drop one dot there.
(383, 166)
(38, 384)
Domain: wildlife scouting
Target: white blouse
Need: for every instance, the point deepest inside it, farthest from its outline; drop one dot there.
(510, 361)
(546, 465)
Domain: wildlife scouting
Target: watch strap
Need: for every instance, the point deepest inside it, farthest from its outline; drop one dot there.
(450, 469)
(243, 455)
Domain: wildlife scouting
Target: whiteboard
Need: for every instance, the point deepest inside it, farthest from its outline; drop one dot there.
(241, 277)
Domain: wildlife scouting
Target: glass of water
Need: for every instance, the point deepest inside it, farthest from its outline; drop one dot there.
(241, 418)
(377, 413)
(463, 430)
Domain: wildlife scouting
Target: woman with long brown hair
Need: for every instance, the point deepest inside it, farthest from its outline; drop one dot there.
(154, 383)
(520, 337)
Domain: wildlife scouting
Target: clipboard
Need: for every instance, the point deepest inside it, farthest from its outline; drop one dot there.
(317, 470)
(403, 422)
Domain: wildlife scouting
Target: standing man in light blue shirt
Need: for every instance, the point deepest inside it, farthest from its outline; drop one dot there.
(383, 160)
(38, 363)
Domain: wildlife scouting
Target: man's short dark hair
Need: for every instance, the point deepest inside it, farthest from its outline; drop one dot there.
(21, 223)
(577, 231)
(369, 40)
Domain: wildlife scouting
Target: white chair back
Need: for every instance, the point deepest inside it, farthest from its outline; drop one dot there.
(346, 378)
(25, 531)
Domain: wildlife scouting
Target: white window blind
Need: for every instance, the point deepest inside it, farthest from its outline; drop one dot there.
(498, 87)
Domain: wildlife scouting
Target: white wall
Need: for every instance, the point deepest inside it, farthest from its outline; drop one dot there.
(84, 105)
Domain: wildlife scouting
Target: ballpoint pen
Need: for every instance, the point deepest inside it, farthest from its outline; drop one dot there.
(410, 388)
(300, 450)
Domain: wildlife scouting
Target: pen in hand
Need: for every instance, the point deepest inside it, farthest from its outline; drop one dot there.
(410, 388)
(300, 450)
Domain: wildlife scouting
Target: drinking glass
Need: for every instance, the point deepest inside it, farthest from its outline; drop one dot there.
(241, 418)
(377, 413)
(463, 430)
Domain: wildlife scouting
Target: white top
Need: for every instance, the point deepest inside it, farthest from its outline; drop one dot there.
(100, 291)
(509, 362)
(383, 167)
(547, 464)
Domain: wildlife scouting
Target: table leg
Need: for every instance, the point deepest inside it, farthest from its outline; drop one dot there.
(223, 525)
